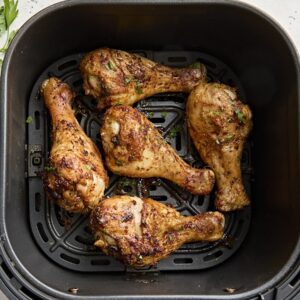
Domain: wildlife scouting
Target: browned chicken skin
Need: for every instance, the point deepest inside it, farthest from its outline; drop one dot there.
(133, 147)
(142, 232)
(75, 178)
(117, 77)
(219, 124)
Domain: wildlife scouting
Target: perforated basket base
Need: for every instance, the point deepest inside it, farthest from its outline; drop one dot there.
(65, 237)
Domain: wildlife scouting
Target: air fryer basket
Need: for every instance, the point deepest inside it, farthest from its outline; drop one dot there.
(46, 254)
(64, 237)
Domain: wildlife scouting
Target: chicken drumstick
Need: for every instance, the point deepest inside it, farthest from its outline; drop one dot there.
(219, 124)
(142, 232)
(116, 77)
(133, 147)
(75, 178)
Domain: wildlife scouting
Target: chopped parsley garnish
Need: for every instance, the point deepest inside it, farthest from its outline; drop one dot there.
(127, 186)
(138, 87)
(196, 65)
(164, 114)
(228, 137)
(159, 141)
(240, 116)
(126, 182)
(173, 132)
(87, 167)
(119, 162)
(215, 113)
(109, 65)
(127, 80)
(29, 120)
(150, 114)
(49, 169)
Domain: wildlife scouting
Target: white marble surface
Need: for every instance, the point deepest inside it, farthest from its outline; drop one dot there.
(286, 13)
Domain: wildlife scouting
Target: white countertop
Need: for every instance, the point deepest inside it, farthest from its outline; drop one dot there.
(286, 13)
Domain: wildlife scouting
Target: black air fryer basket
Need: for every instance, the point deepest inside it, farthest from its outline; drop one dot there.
(46, 253)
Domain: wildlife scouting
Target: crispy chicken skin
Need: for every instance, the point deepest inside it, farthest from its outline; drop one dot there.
(219, 124)
(133, 147)
(75, 178)
(142, 232)
(116, 77)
